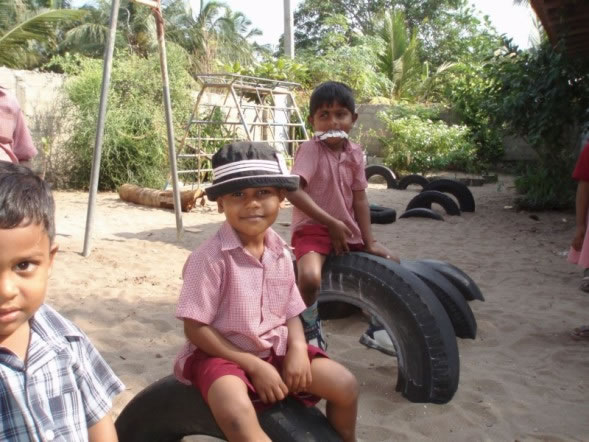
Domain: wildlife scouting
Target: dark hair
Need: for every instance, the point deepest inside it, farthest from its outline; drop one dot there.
(25, 198)
(330, 92)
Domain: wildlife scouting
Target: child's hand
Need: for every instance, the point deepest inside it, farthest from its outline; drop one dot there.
(296, 370)
(577, 243)
(268, 383)
(378, 249)
(339, 234)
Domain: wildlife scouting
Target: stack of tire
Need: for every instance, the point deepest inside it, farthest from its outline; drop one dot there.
(422, 305)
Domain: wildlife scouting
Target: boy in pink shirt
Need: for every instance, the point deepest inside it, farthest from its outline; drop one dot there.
(331, 212)
(16, 144)
(240, 305)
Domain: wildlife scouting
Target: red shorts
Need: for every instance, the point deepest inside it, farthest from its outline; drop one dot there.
(202, 370)
(315, 238)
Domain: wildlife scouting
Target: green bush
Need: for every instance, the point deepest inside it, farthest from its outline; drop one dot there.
(418, 146)
(135, 141)
(543, 188)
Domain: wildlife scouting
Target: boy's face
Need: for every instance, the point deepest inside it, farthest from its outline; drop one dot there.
(333, 116)
(251, 211)
(26, 258)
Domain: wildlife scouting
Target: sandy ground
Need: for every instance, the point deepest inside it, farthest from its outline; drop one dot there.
(523, 378)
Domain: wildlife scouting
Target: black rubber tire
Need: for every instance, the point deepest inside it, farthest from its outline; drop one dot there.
(456, 188)
(427, 197)
(421, 212)
(423, 336)
(168, 410)
(412, 179)
(460, 313)
(461, 280)
(382, 215)
(378, 169)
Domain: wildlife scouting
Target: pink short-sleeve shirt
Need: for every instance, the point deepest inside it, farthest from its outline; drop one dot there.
(331, 181)
(245, 299)
(16, 143)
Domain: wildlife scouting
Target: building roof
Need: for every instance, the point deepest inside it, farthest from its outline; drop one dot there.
(567, 20)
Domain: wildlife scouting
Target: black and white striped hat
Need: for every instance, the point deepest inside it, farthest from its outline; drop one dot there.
(246, 164)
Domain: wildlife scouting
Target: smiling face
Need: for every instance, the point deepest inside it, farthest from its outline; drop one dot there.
(26, 258)
(251, 211)
(333, 117)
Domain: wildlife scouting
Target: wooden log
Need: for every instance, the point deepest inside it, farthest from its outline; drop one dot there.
(163, 199)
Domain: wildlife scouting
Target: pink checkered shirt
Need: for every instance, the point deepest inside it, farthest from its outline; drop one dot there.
(247, 300)
(331, 182)
(16, 143)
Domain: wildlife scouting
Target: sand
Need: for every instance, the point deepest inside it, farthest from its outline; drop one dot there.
(523, 378)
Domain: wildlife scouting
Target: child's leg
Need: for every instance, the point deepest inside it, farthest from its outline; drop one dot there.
(309, 282)
(309, 276)
(233, 410)
(334, 383)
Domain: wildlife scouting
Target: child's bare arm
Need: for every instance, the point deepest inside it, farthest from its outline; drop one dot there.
(581, 207)
(103, 431)
(362, 214)
(296, 370)
(265, 378)
(338, 231)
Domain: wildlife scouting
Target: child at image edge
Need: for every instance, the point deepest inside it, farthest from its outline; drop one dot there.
(54, 384)
(579, 251)
(331, 210)
(239, 302)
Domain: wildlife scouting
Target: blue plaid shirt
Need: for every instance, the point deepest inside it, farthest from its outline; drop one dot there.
(64, 388)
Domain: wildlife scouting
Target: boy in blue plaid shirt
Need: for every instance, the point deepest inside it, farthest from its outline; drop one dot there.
(54, 385)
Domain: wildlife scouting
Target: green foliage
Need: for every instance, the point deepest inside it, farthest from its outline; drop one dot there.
(468, 90)
(314, 18)
(543, 96)
(284, 69)
(399, 59)
(545, 188)
(540, 94)
(353, 65)
(135, 142)
(28, 34)
(420, 145)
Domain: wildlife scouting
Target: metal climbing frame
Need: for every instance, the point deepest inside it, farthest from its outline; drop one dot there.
(238, 107)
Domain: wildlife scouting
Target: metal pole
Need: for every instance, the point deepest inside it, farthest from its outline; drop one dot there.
(108, 51)
(159, 20)
(288, 30)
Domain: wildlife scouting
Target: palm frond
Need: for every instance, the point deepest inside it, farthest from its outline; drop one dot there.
(39, 27)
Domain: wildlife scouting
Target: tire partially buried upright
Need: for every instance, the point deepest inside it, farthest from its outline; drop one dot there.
(456, 188)
(421, 331)
(383, 171)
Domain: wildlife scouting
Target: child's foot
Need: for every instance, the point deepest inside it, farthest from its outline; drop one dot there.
(581, 333)
(585, 284)
(376, 337)
(314, 335)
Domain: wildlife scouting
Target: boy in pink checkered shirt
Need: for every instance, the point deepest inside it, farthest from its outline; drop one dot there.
(331, 212)
(240, 305)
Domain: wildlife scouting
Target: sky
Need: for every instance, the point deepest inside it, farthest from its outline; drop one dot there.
(267, 15)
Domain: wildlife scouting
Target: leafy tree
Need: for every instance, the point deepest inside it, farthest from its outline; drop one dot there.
(312, 17)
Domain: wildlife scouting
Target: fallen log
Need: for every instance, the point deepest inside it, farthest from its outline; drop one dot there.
(163, 199)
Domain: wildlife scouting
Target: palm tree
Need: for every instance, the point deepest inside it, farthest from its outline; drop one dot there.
(399, 60)
(213, 36)
(28, 31)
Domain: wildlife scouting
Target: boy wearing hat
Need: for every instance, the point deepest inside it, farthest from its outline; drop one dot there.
(239, 302)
